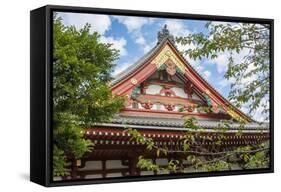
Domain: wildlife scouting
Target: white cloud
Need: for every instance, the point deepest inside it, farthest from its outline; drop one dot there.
(207, 74)
(99, 23)
(226, 82)
(199, 68)
(134, 26)
(133, 23)
(177, 27)
(258, 115)
(222, 60)
(144, 45)
(118, 44)
(140, 40)
(121, 68)
(246, 80)
(147, 47)
(182, 48)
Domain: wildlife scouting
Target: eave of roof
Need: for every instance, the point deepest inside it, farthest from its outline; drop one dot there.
(177, 124)
(129, 70)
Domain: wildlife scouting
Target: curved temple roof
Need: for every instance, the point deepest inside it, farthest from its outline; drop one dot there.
(132, 68)
(177, 124)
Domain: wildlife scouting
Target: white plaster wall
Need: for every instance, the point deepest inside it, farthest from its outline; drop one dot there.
(92, 165)
(161, 107)
(114, 164)
(140, 107)
(57, 179)
(96, 176)
(162, 161)
(153, 89)
(179, 92)
(114, 175)
(195, 110)
(177, 107)
(154, 106)
(146, 173)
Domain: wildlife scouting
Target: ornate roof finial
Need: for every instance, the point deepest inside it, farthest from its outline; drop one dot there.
(165, 33)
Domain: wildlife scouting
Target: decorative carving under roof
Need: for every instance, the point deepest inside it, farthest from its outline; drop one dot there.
(165, 54)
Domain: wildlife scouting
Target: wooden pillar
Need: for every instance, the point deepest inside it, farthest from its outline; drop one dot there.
(74, 169)
(133, 166)
(103, 168)
(154, 162)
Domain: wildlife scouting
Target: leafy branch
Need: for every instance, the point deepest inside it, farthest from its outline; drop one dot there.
(249, 75)
(195, 155)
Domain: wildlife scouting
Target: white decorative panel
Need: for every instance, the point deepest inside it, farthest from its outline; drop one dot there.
(177, 107)
(153, 89)
(154, 106)
(158, 106)
(179, 92)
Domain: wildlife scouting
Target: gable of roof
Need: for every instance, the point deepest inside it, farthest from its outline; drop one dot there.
(153, 60)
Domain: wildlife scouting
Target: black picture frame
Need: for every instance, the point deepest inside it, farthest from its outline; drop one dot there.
(41, 93)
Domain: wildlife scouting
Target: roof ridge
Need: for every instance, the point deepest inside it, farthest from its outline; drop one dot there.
(127, 71)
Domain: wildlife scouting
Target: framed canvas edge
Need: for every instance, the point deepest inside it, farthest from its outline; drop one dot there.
(48, 130)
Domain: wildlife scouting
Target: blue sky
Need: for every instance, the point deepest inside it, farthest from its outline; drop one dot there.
(135, 36)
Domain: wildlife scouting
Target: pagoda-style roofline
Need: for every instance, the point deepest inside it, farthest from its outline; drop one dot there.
(132, 68)
(177, 124)
(152, 60)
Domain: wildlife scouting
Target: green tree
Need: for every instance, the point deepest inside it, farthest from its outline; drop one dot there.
(251, 74)
(197, 156)
(81, 95)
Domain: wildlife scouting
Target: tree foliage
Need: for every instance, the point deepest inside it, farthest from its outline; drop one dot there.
(249, 74)
(197, 156)
(81, 95)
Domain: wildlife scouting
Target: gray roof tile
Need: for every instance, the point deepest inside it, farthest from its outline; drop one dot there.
(177, 123)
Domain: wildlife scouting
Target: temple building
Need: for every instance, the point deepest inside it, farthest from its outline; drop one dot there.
(161, 89)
